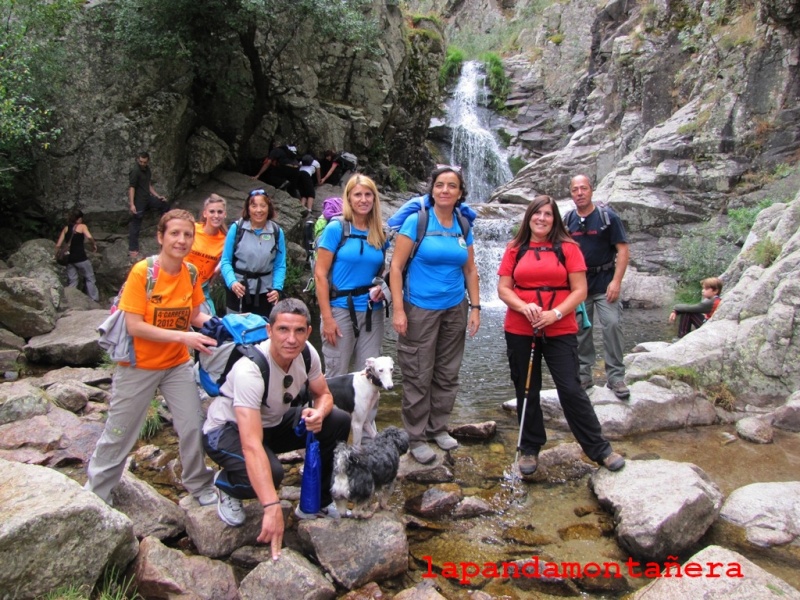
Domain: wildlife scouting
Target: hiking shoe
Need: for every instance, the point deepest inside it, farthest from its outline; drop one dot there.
(230, 509)
(613, 462)
(620, 390)
(423, 453)
(207, 497)
(528, 464)
(329, 511)
(445, 441)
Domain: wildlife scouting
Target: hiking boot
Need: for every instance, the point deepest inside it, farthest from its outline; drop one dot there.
(613, 462)
(423, 453)
(587, 384)
(329, 511)
(230, 509)
(620, 390)
(445, 441)
(207, 497)
(528, 464)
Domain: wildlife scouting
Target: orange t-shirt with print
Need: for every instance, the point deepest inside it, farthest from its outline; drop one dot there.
(206, 251)
(170, 307)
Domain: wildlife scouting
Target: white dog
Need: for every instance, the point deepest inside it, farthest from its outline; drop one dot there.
(358, 393)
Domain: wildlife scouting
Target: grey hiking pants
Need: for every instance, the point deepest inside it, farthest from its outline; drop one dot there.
(610, 318)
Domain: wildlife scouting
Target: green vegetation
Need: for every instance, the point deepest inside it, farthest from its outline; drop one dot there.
(719, 394)
(152, 423)
(419, 19)
(451, 68)
(765, 252)
(397, 180)
(556, 38)
(688, 128)
(741, 220)
(295, 280)
(32, 68)
(496, 79)
(685, 374)
(112, 586)
(515, 163)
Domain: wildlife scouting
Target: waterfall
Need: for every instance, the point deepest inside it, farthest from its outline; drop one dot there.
(473, 146)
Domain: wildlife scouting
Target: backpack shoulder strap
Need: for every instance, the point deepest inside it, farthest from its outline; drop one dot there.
(463, 222)
(261, 362)
(192, 272)
(239, 234)
(306, 358)
(568, 219)
(152, 276)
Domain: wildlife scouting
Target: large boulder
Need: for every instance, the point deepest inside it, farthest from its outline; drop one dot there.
(21, 400)
(717, 572)
(152, 514)
(161, 572)
(355, 552)
(656, 521)
(292, 576)
(54, 533)
(764, 518)
(28, 302)
(72, 342)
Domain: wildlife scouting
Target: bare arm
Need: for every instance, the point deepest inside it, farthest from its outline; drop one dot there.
(61, 238)
(85, 230)
(402, 250)
(473, 291)
(330, 171)
(613, 289)
(137, 327)
(330, 329)
(259, 473)
(132, 204)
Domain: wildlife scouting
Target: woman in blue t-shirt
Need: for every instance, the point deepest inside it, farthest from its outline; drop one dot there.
(350, 255)
(434, 314)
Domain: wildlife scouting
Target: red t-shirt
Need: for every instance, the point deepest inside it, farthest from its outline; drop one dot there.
(545, 271)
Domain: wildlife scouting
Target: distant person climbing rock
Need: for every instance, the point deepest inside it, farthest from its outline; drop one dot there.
(692, 316)
(142, 197)
(308, 177)
(75, 234)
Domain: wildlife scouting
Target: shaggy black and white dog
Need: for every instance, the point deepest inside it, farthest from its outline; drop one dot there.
(359, 473)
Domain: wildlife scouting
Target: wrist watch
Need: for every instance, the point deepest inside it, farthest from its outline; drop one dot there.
(558, 314)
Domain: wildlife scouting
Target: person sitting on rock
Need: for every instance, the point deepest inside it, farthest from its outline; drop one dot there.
(248, 425)
(693, 316)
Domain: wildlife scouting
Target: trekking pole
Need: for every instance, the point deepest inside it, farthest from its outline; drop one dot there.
(525, 402)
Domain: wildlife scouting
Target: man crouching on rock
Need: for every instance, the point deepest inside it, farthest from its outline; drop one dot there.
(247, 425)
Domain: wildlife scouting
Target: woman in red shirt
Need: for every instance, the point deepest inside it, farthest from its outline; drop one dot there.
(543, 280)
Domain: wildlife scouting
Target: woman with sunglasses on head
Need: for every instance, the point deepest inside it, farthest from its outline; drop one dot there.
(209, 241)
(434, 311)
(161, 299)
(350, 254)
(542, 281)
(254, 258)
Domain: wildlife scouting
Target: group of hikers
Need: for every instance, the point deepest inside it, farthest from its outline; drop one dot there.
(551, 268)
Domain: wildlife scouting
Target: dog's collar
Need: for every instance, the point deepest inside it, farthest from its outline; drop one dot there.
(375, 381)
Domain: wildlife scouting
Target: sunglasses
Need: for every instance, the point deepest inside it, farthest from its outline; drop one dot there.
(257, 193)
(455, 168)
(582, 225)
(287, 397)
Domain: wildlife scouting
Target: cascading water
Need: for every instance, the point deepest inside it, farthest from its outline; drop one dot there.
(474, 147)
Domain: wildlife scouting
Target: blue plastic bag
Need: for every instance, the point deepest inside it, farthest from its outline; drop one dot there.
(311, 484)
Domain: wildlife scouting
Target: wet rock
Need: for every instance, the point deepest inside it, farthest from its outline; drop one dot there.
(421, 591)
(527, 536)
(73, 341)
(292, 576)
(46, 524)
(475, 431)
(435, 472)
(21, 400)
(654, 521)
(736, 579)
(471, 507)
(768, 514)
(561, 463)
(161, 572)
(371, 591)
(152, 514)
(788, 416)
(755, 429)
(436, 501)
(212, 537)
(355, 552)
(536, 576)
(581, 531)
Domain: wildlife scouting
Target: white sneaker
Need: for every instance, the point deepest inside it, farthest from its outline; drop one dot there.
(230, 509)
(207, 497)
(445, 441)
(329, 511)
